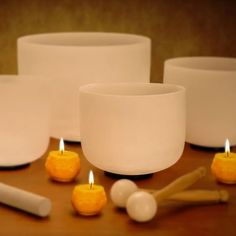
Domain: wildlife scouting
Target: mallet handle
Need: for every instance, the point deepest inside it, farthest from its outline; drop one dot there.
(180, 184)
(199, 196)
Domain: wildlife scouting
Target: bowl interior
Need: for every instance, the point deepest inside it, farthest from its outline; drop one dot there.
(86, 39)
(134, 89)
(204, 63)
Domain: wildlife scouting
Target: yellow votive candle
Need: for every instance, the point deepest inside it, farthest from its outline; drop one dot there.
(224, 166)
(89, 199)
(62, 166)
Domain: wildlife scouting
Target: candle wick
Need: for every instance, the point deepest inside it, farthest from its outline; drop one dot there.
(91, 185)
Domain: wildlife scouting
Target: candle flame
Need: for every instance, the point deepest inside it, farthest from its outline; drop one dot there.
(91, 179)
(227, 147)
(61, 146)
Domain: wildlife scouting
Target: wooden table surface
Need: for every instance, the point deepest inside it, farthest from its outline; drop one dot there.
(172, 218)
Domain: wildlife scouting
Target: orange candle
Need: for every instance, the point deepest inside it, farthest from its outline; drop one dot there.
(63, 166)
(224, 165)
(89, 199)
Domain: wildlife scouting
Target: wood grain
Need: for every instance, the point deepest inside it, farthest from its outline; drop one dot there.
(173, 218)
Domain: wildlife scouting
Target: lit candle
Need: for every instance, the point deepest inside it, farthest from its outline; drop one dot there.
(61, 165)
(89, 199)
(224, 165)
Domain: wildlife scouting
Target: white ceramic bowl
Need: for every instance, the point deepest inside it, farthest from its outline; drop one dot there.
(211, 97)
(75, 59)
(24, 119)
(132, 128)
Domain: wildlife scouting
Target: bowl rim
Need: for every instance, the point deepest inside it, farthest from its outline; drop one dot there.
(87, 89)
(175, 62)
(34, 39)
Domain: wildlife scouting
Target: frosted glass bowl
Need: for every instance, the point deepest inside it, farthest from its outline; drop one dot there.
(132, 129)
(211, 97)
(24, 119)
(75, 59)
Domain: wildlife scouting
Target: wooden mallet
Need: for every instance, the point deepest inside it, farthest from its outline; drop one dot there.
(123, 188)
(142, 206)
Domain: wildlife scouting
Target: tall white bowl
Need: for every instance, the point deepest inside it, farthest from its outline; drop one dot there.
(132, 129)
(75, 59)
(24, 119)
(211, 97)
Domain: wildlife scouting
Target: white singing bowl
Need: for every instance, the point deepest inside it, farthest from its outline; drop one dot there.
(211, 97)
(132, 128)
(24, 119)
(77, 58)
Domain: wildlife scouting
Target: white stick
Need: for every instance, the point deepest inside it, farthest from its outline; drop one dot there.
(24, 200)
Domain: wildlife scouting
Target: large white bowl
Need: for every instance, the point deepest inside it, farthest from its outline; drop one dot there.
(132, 129)
(211, 97)
(24, 119)
(75, 59)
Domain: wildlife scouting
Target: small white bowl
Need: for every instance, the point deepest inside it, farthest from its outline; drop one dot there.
(24, 119)
(132, 128)
(211, 97)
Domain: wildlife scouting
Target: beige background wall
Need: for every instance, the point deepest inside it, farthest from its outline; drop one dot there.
(176, 27)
